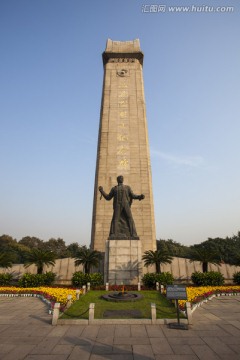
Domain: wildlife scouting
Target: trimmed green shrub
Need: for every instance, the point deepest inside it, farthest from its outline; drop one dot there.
(5, 279)
(149, 279)
(79, 279)
(198, 278)
(96, 279)
(164, 278)
(35, 280)
(30, 280)
(211, 278)
(236, 278)
(49, 278)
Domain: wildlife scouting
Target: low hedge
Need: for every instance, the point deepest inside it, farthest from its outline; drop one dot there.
(149, 279)
(35, 280)
(236, 278)
(79, 279)
(5, 279)
(211, 278)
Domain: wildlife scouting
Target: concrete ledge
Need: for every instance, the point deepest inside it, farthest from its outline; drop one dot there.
(72, 322)
(121, 321)
(118, 321)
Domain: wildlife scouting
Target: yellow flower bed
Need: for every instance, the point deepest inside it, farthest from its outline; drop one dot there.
(196, 294)
(50, 293)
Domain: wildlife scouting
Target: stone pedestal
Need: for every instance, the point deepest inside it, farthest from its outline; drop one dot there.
(123, 262)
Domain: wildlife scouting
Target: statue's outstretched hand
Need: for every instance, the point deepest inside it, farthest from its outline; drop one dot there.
(101, 191)
(141, 197)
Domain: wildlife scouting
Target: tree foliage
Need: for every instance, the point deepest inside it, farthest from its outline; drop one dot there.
(57, 246)
(205, 254)
(40, 258)
(228, 248)
(13, 250)
(73, 249)
(6, 260)
(156, 258)
(88, 258)
(225, 250)
(31, 242)
(173, 248)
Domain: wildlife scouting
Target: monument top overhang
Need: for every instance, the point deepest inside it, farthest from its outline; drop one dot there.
(122, 49)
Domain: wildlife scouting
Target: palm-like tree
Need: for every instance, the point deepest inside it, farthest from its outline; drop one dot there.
(39, 258)
(156, 258)
(87, 258)
(205, 256)
(6, 260)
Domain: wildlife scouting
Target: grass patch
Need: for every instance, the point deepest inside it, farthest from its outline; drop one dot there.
(79, 310)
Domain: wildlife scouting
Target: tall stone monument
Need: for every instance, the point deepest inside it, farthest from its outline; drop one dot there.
(123, 149)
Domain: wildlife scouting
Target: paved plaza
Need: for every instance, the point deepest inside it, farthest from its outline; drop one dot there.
(26, 333)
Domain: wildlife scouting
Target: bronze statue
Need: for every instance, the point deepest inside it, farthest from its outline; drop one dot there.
(122, 225)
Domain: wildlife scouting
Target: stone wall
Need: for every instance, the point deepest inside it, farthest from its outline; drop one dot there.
(64, 268)
(180, 268)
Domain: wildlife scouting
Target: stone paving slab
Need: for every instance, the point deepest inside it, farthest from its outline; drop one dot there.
(141, 351)
(19, 352)
(26, 333)
(6, 348)
(161, 346)
(122, 331)
(131, 340)
(47, 357)
(105, 340)
(177, 357)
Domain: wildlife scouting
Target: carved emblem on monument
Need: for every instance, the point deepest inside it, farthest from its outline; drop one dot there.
(122, 72)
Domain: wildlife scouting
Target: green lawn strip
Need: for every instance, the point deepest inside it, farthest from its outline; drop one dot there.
(79, 310)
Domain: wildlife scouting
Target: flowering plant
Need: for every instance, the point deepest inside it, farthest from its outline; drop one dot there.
(56, 294)
(197, 294)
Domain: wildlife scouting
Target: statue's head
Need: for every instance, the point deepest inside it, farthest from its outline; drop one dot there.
(120, 179)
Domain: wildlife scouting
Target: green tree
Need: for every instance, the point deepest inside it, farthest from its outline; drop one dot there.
(57, 246)
(31, 242)
(88, 258)
(205, 254)
(19, 252)
(6, 260)
(72, 249)
(173, 248)
(40, 258)
(227, 249)
(6, 239)
(156, 258)
(6, 243)
(10, 246)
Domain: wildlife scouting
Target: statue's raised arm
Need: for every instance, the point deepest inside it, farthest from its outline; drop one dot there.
(105, 195)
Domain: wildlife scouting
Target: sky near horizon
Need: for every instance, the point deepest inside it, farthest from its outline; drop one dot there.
(51, 82)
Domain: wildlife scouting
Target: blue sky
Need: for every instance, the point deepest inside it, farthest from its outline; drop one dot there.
(51, 81)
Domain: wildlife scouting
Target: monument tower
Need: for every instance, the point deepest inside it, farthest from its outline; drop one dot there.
(123, 147)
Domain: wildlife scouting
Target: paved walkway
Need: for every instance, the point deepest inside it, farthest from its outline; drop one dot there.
(26, 333)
